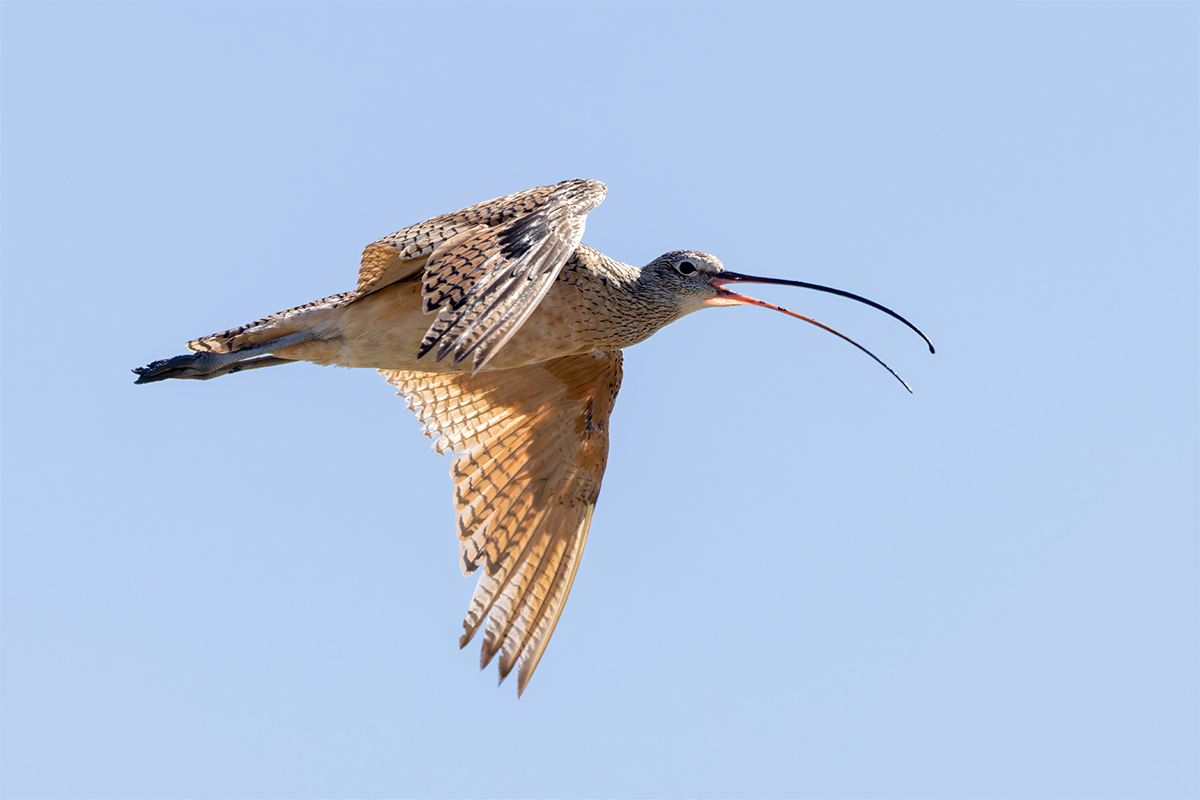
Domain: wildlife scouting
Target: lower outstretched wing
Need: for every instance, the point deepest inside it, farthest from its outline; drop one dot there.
(532, 444)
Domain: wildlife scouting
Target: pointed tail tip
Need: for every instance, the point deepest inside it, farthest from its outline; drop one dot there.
(146, 374)
(164, 368)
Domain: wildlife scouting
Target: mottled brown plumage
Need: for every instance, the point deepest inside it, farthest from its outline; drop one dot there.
(504, 334)
(532, 444)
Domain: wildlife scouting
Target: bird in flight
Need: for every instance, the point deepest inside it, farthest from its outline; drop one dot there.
(504, 334)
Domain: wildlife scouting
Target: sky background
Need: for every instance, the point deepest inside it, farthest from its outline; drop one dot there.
(801, 581)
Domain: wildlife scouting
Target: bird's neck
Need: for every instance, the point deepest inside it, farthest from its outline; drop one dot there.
(617, 307)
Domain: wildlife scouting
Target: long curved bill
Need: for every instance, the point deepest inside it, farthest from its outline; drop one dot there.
(725, 297)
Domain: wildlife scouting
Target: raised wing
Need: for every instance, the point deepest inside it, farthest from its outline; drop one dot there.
(532, 444)
(486, 267)
(486, 282)
(403, 253)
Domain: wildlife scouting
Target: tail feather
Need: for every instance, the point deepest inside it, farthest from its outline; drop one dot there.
(205, 365)
(195, 367)
(266, 329)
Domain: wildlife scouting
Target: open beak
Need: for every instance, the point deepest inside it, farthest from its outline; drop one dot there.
(725, 297)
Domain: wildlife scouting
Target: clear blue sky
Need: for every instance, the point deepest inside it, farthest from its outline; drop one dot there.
(801, 581)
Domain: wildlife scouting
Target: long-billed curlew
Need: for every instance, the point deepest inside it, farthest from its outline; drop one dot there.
(516, 374)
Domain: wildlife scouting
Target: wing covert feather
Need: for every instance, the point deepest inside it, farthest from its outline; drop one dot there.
(486, 286)
(484, 267)
(412, 245)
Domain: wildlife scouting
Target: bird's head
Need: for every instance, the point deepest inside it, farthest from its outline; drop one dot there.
(696, 280)
(686, 275)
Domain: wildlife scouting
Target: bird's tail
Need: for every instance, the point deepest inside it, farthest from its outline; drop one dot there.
(267, 328)
(245, 347)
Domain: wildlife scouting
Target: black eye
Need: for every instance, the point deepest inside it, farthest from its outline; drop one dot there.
(686, 268)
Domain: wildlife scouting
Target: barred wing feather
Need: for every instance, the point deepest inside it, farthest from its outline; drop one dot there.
(531, 446)
(401, 254)
(486, 285)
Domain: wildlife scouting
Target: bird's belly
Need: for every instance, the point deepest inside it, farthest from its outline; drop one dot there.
(550, 332)
(384, 330)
